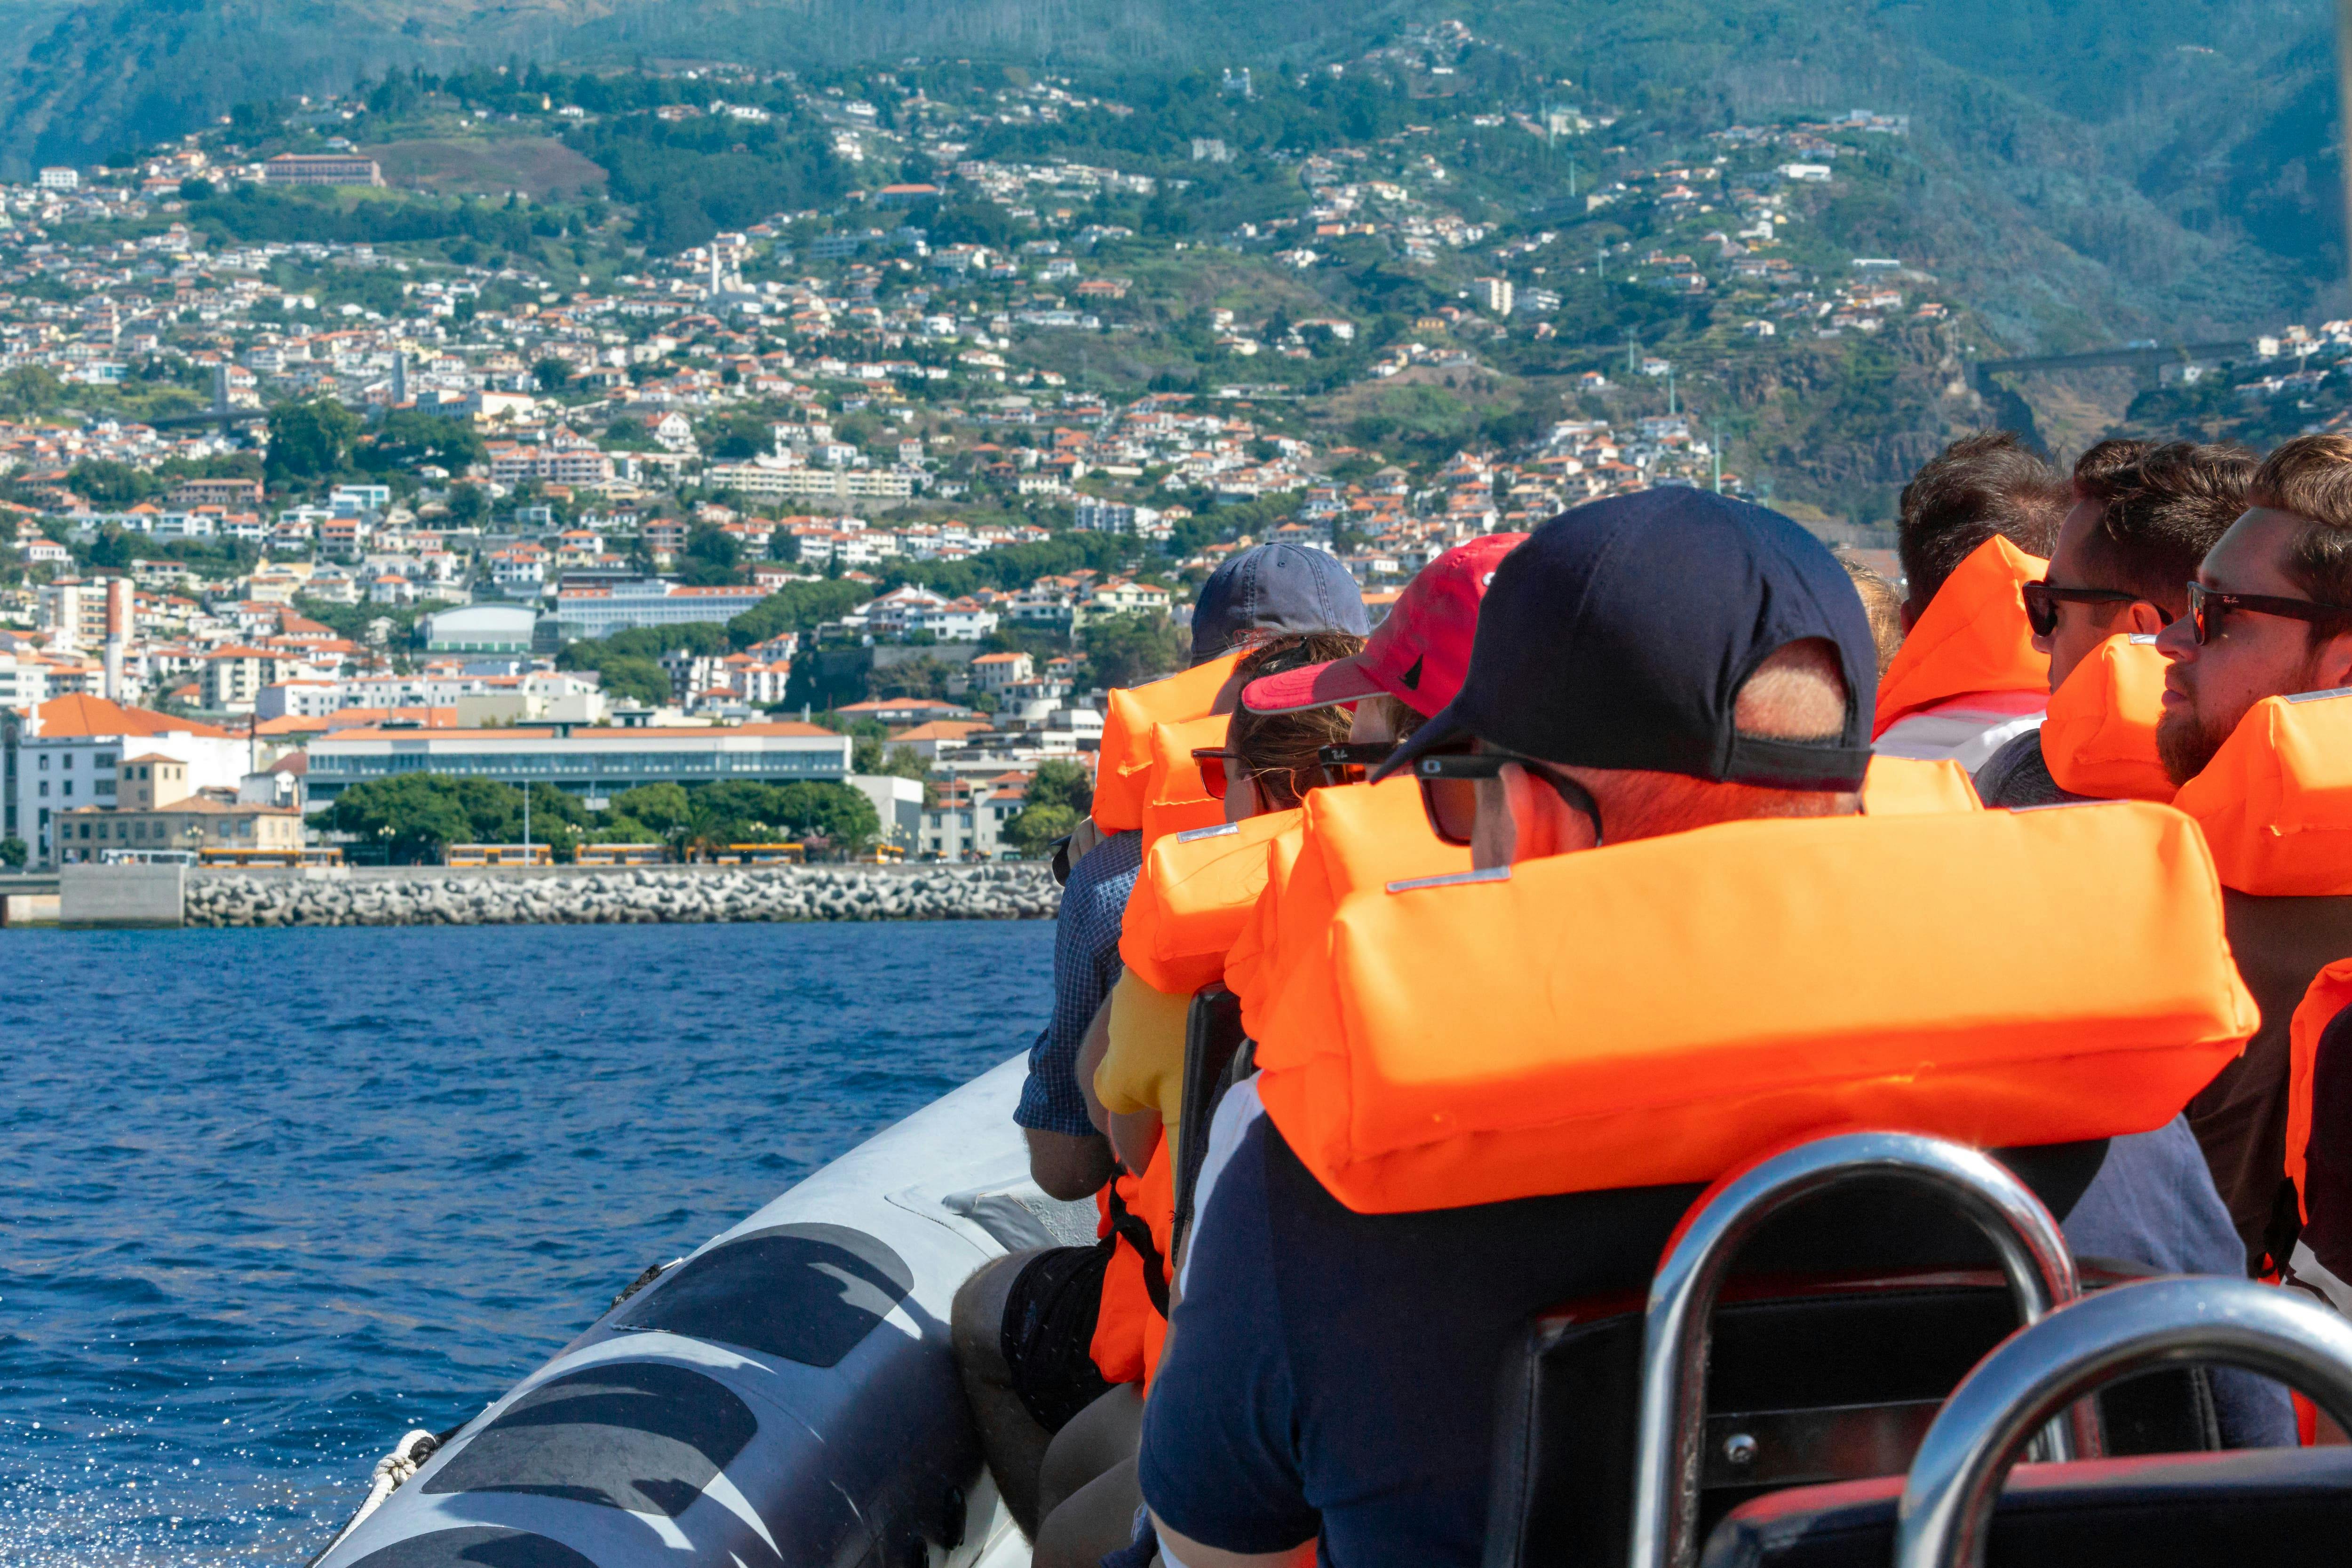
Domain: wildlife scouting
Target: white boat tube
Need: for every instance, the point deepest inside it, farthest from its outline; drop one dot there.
(787, 1395)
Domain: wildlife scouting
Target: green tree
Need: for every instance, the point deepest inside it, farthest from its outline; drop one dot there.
(13, 853)
(713, 557)
(1034, 828)
(1058, 795)
(407, 437)
(468, 505)
(663, 810)
(552, 375)
(1126, 650)
(414, 816)
(795, 607)
(1061, 784)
(111, 483)
(842, 816)
(870, 755)
(309, 439)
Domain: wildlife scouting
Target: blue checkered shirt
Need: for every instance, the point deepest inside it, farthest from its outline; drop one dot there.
(1085, 965)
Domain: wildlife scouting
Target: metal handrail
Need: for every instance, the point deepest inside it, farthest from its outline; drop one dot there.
(2033, 1255)
(1956, 1476)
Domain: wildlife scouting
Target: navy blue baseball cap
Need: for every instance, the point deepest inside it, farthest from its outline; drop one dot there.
(1275, 588)
(1620, 633)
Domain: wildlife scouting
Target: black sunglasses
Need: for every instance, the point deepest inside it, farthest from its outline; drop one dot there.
(1449, 789)
(2042, 599)
(1350, 763)
(2207, 608)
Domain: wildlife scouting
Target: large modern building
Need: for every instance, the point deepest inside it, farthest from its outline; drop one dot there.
(321, 169)
(603, 609)
(595, 764)
(770, 482)
(481, 629)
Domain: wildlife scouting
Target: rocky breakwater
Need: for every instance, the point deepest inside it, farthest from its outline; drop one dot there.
(635, 897)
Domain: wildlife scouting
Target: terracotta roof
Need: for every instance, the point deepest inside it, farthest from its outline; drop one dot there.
(939, 729)
(81, 713)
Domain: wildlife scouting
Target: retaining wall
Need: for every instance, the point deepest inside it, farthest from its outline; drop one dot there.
(645, 896)
(120, 894)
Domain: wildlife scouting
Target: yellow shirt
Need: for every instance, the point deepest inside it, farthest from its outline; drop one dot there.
(1144, 1068)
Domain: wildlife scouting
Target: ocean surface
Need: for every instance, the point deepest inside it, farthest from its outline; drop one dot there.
(270, 1199)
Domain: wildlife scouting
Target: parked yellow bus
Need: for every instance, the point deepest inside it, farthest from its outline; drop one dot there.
(500, 855)
(623, 854)
(328, 855)
(761, 854)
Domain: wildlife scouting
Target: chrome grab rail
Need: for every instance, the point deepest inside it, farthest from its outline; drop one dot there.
(1675, 1334)
(1948, 1499)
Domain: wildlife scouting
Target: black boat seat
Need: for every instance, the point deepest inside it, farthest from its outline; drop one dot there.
(2183, 1510)
(1830, 1377)
(1216, 1056)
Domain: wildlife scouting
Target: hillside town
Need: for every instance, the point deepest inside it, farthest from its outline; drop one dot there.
(880, 491)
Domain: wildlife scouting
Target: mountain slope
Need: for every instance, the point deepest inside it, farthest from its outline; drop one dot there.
(2090, 172)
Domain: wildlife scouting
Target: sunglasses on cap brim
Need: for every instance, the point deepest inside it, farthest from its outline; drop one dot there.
(1449, 788)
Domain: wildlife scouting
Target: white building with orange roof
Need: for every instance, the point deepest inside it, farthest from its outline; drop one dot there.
(996, 673)
(68, 751)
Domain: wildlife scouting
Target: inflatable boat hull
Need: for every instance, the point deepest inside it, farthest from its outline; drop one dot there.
(785, 1395)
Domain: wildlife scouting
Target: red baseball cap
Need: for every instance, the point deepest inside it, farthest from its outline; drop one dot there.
(1419, 655)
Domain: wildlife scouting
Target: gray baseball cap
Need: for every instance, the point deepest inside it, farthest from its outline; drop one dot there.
(1275, 588)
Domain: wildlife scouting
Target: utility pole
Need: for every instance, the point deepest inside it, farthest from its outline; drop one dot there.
(1671, 409)
(1715, 447)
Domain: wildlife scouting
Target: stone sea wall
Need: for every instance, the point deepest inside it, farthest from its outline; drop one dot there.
(623, 898)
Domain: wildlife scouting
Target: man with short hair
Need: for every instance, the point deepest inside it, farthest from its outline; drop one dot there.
(2121, 566)
(2269, 615)
(1648, 665)
(1981, 484)
(1975, 524)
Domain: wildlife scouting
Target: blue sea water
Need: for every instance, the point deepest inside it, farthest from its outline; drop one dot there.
(270, 1199)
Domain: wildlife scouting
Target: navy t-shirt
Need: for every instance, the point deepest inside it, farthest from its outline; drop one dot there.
(1333, 1372)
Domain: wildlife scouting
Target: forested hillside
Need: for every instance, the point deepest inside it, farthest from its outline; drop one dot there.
(2087, 171)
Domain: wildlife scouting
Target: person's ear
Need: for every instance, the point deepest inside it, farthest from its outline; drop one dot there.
(2142, 619)
(1545, 823)
(2331, 665)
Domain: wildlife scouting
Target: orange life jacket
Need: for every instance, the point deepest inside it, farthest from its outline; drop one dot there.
(1131, 1325)
(1910, 787)
(1197, 891)
(1972, 638)
(1658, 1011)
(1175, 800)
(1346, 838)
(2276, 805)
(2277, 800)
(2100, 737)
(1124, 763)
(1368, 835)
(2330, 993)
